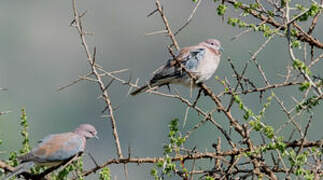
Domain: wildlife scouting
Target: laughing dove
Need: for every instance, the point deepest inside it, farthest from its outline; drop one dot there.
(56, 149)
(201, 60)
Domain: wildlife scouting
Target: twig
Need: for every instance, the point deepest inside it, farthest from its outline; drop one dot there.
(189, 19)
(170, 33)
(204, 155)
(91, 61)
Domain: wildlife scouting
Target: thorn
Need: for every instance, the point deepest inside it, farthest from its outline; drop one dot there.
(152, 13)
(106, 107)
(108, 85)
(156, 32)
(129, 151)
(92, 158)
(168, 87)
(105, 116)
(94, 54)
(99, 97)
(116, 108)
(130, 87)
(198, 97)
(72, 23)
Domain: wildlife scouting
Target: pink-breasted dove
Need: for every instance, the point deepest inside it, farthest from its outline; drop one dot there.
(201, 60)
(56, 149)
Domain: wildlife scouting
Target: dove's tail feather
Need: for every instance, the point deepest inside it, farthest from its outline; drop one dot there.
(153, 84)
(147, 87)
(19, 169)
(139, 90)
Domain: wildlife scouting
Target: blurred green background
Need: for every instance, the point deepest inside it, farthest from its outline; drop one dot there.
(39, 52)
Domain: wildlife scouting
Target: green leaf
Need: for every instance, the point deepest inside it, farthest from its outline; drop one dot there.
(233, 21)
(105, 174)
(269, 131)
(209, 178)
(300, 65)
(221, 9)
(296, 44)
(305, 85)
(237, 4)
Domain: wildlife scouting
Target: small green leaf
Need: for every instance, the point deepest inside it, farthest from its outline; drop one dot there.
(305, 85)
(105, 174)
(221, 9)
(237, 4)
(296, 44)
(269, 131)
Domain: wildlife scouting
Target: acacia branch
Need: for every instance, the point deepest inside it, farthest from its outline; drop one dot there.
(91, 60)
(303, 36)
(199, 155)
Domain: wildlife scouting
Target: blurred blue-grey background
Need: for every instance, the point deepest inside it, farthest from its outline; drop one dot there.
(40, 52)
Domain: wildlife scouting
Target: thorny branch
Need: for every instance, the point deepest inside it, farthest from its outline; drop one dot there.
(259, 164)
(245, 157)
(91, 60)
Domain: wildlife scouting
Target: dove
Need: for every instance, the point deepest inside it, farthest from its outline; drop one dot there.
(201, 60)
(56, 149)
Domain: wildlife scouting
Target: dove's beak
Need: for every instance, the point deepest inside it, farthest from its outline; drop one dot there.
(96, 137)
(221, 49)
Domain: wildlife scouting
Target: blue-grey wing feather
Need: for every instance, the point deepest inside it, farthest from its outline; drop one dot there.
(169, 71)
(193, 60)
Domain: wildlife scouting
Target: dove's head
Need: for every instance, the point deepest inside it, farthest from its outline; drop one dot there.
(214, 45)
(86, 130)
